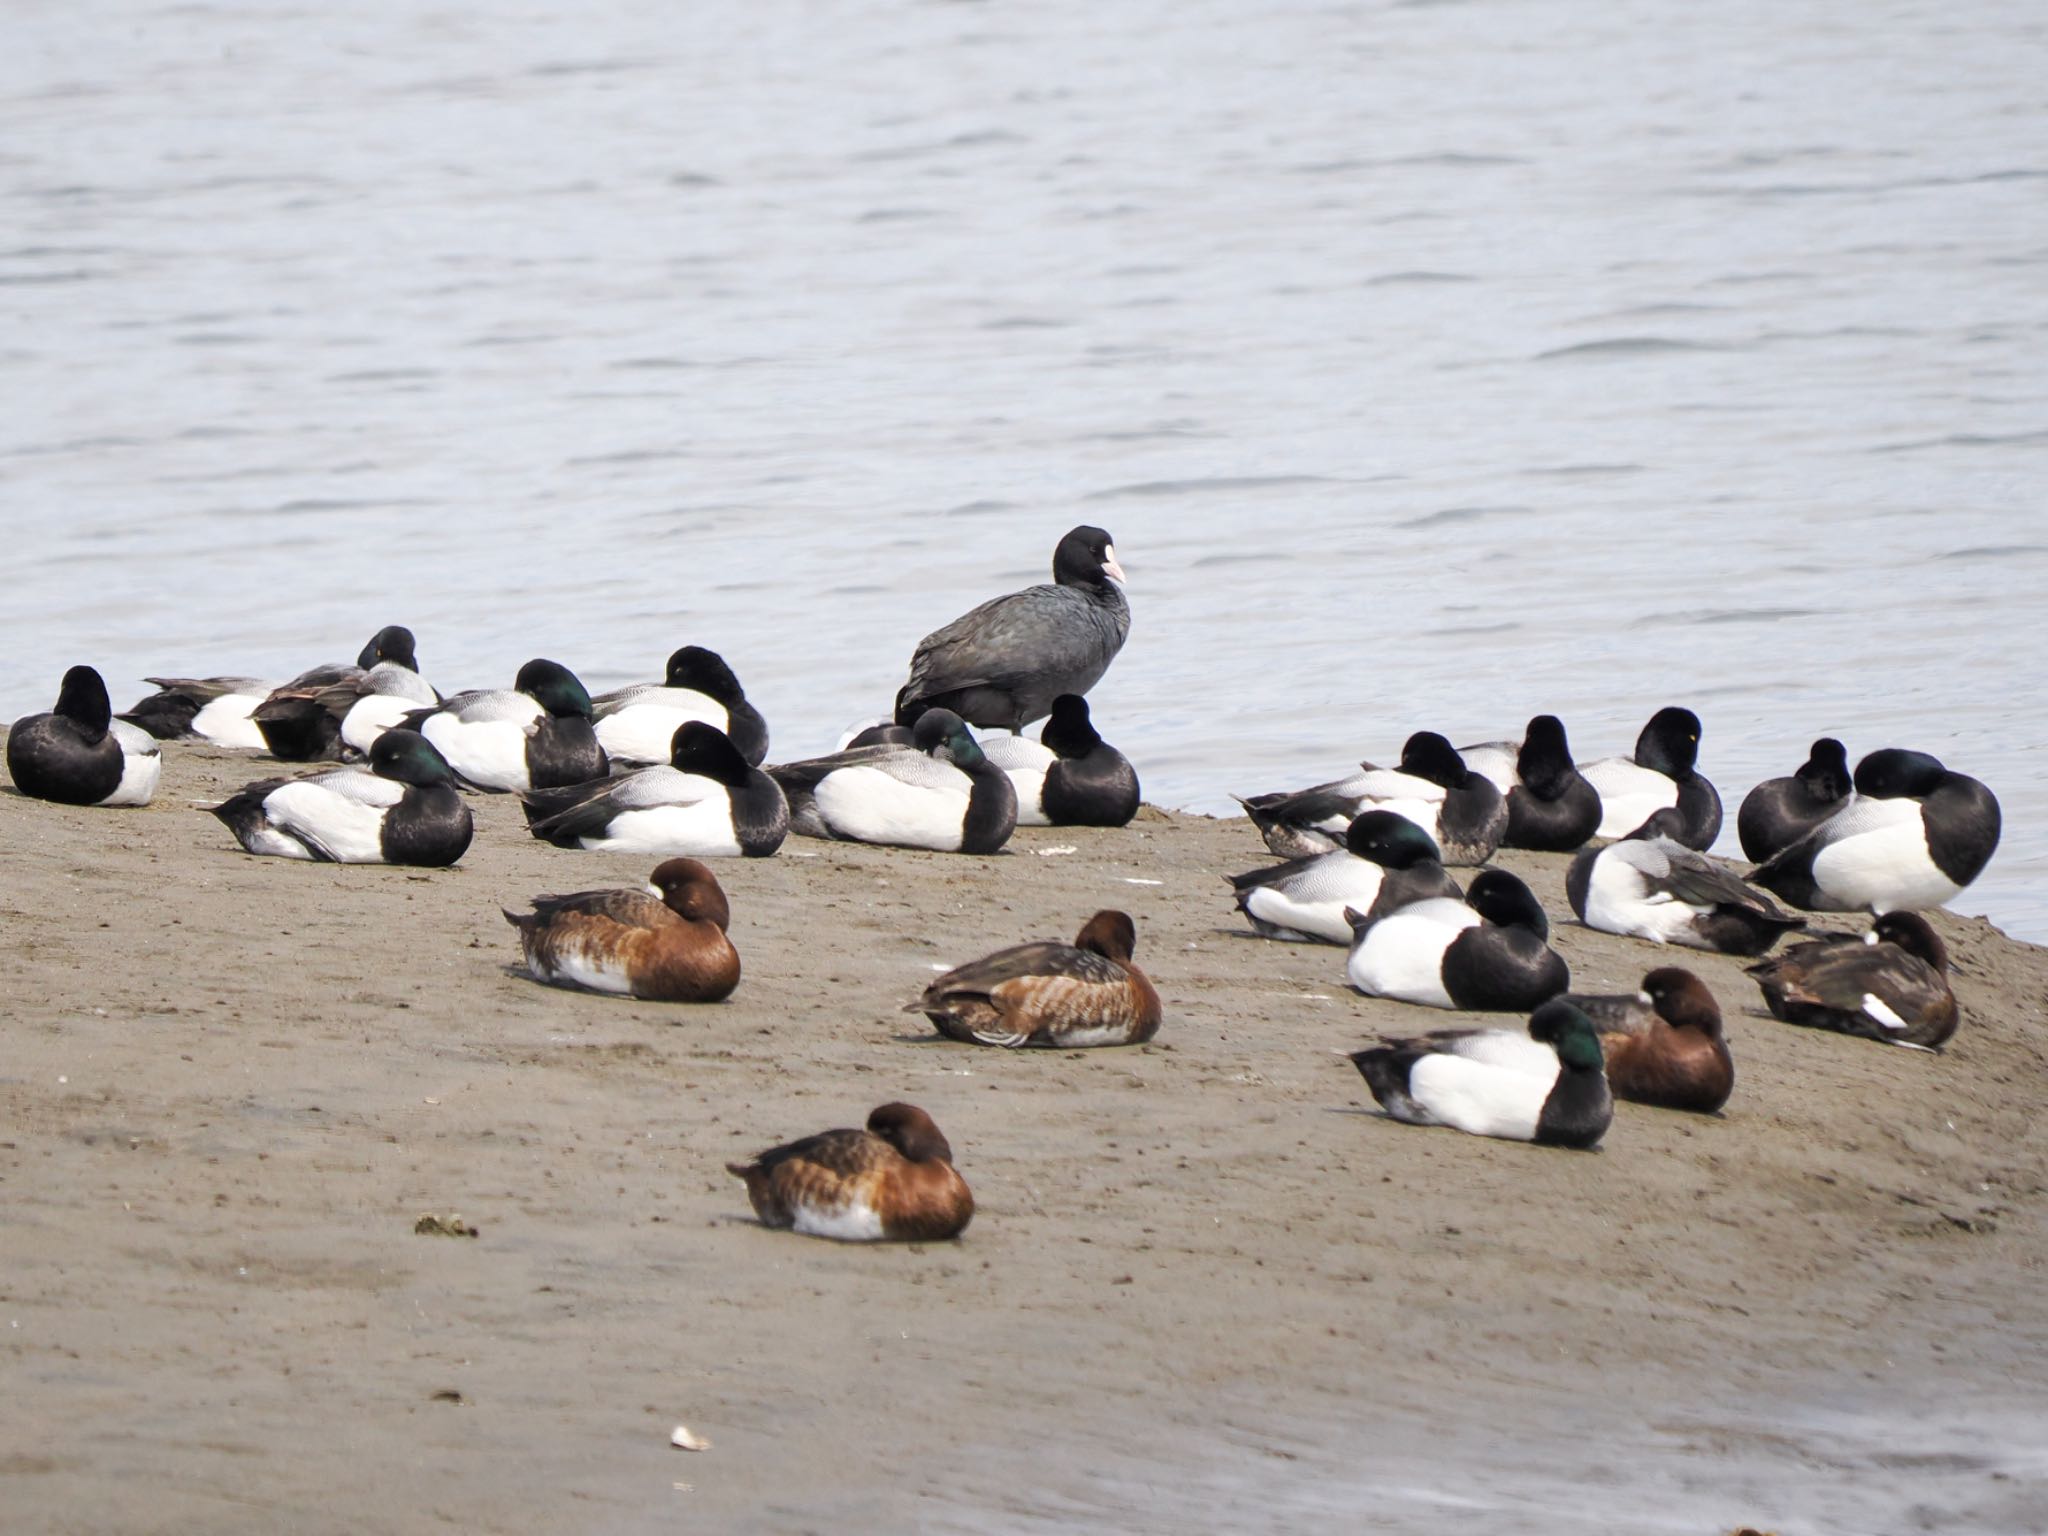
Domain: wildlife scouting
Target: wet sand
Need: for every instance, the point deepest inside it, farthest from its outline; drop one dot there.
(1208, 1285)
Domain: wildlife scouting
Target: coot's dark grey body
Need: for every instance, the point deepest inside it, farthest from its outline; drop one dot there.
(1002, 664)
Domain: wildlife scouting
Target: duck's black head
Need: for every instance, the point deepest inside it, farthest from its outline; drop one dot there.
(701, 748)
(1665, 822)
(1390, 839)
(706, 672)
(1070, 732)
(1561, 1025)
(1891, 773)
(1670, 743)
(1506, 902)
(1426, 755)
(944, 735)
(82, 699)
(1546, 756)
(1086, 557)
(560, 691)
(1825, 773)
(409, 758)
(391, 643)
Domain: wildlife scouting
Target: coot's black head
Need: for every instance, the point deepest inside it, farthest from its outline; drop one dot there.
(82, 699)
(701, 748)
(560, 691)
(1914, 934)
(391, 643)
(1670, 743)
(1682, 1000)
(1506, 902)
(705, 671)
(1825, 773)
(942, 734)
(1070, 733)
(410, 758)
(910, 1131)
(1892, 772)
(1426, 755)
(1085, 558)
(1390, 840)
(1564, 1027)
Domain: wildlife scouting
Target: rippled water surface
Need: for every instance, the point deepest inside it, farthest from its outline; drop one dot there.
(1433, 364)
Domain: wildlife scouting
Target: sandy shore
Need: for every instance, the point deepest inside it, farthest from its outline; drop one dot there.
(1208, 1287)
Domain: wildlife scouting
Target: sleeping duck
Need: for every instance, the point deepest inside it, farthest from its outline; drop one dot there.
(1060, 995)
(1661, 774)
(1433, 788)
(707, 802)
(892, 1182)
(1550, 806)
(1779, 812)
(664, 944)
(943, 793)
(1387, 861)
(402, 809)
(1890, 985)
(637, 724)
(1070, 776)
(1664, 1043)
(1650, 886)
(537, 735)
(1487, 952)
(78, 754)
(1915, 835)
(1562, 1103)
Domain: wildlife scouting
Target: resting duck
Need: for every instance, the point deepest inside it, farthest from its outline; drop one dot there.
(1002, 664)
(664, 944)
(1387, 861)
(942, 794)
(1890, 985)
(1568, 1105)
(893, 1182)
(1487, 952)
(1650, 886)
(1915, 835)
(707, 803)
(1433, 788)
(1059, 995)
(403, 809)
(1664, 1044)
(537, 736)
(78, 754)
(1779, 812)
(303, 719)
(1661, 774)
(215, 709)
(1550, 806)
(1070, 776)
(636, 725)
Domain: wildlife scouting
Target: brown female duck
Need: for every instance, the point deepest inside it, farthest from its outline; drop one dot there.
(1664, 1044)
(1891, 984)
(1060, 995)
(666, 943)
(893, 1182)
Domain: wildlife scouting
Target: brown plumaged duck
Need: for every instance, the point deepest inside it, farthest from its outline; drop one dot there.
(892, 1182)
(666, 943)
(1891, 984)
(1047, 994)
(1664, 1045)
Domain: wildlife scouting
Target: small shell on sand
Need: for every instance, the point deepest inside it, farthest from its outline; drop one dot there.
(683, 1437)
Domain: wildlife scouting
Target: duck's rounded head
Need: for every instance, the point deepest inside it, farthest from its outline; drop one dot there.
(1665, 822)
(1070, 732)
(1670, 743)
(82, 699)
(910, 1131)
(1825, 773)
(560, 691)
(1390, 839)
(1893, 773)
(689, 889)
(704, 671)
(1503, 900)
(942, 734)
(1564, 1027)
(391, 643)
(1085, 557)
(1546, 755)
(1110, 934)
(1682, 1000)
(409, 758)
(1426, 755)
(702, 748)
(1914, 934)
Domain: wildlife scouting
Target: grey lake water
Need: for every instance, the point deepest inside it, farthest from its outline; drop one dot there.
(1432, 364)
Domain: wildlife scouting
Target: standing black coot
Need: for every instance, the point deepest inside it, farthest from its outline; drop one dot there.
(1001, 665)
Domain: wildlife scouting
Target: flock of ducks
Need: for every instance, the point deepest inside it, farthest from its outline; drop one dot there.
(678, 770)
